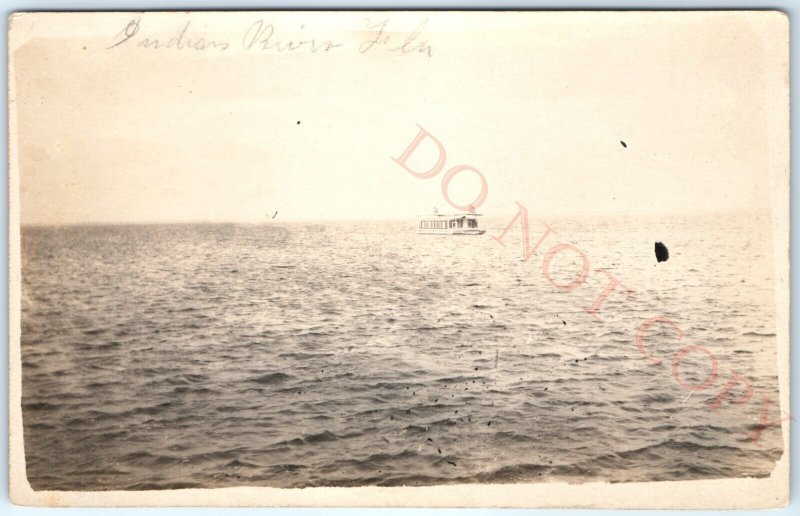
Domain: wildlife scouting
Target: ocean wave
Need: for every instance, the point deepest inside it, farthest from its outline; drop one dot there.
(272, 378)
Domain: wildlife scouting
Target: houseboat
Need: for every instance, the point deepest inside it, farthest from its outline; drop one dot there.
(441, 224)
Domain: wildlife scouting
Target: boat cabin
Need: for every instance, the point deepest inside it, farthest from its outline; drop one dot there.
(443, 224)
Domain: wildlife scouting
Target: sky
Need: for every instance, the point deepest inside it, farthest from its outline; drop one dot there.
(539, 103)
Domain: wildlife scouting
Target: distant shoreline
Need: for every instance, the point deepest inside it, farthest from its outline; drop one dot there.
(410, 219)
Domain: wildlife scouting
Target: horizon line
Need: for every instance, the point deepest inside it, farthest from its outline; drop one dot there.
(508, 215)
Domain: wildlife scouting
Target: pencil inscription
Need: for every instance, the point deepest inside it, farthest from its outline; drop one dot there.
(262, 36)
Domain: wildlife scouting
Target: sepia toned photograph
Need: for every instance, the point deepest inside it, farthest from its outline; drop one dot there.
(374, 258)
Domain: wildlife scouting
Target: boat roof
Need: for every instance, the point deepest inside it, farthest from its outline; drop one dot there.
(452, 215)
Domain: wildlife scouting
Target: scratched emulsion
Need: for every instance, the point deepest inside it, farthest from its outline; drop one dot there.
(296, 355)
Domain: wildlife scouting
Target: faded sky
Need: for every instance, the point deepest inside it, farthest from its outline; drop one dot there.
(538, 102)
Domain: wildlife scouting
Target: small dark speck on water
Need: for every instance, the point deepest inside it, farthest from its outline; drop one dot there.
(451, 462)
(662, 253)
(565, 322)
(439, 450)
(489, 423)
(298, 122)
(623, 143)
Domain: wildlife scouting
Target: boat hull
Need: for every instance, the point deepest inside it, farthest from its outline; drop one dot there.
(452, 231)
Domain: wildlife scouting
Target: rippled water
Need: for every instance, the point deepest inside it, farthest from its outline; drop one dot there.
(294, 355)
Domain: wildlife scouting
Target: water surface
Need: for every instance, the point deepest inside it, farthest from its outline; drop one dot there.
(292, 355)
